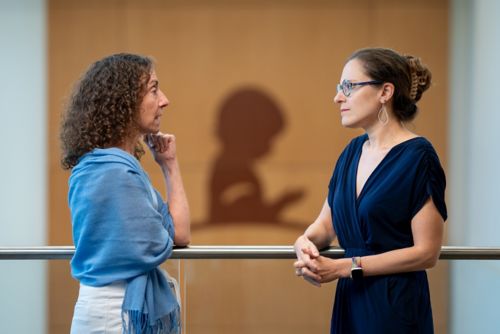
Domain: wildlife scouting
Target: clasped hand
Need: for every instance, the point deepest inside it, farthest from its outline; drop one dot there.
(317, 269)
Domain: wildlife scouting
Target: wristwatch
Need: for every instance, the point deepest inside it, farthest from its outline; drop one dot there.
(356, 269)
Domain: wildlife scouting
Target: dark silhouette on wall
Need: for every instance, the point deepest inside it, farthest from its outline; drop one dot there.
(248, 122)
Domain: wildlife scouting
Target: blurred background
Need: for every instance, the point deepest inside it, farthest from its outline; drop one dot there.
(251, 85)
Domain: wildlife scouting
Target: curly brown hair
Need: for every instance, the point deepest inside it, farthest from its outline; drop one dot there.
(104, 106)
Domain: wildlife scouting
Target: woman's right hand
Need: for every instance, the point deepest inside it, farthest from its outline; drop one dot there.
(162, 146)
(306, 251)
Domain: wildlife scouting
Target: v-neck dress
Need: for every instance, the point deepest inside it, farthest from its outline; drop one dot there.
(377, 221)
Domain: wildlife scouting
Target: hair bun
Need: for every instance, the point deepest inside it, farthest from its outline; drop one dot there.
(420, 77)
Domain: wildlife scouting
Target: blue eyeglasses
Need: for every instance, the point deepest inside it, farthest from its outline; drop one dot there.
(346, 86)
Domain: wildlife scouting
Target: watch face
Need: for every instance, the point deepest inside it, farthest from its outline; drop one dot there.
(356, 273)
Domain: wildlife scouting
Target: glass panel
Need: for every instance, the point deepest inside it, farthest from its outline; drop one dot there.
(475, 292)
(439, 283)
(265, 296)
(174, 268)
(218, 296)
(22, 296)
(253, 296)
(63, 293)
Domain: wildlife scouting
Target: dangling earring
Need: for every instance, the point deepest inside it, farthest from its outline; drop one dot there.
(383, 116)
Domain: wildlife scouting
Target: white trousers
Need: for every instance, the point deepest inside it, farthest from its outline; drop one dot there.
(98, 310)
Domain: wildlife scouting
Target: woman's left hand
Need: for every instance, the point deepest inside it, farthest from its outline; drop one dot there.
(331, 269)
(162, 146)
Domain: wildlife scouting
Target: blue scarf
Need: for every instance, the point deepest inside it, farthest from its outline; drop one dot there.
(123, 230)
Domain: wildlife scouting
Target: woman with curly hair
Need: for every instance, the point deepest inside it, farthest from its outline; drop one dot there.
(385, 202)
(122, 228)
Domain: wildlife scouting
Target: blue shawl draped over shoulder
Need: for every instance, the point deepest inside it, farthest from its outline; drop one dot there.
(122, 230)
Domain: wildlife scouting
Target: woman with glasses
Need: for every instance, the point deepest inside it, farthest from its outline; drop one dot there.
(122, 228)
(385, 203)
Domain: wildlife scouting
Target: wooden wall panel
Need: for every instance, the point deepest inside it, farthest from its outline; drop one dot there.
(290, 51)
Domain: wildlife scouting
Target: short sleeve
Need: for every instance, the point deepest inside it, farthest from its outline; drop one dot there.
(430, 181)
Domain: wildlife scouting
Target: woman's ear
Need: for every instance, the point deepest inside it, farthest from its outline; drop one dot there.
(387, 92)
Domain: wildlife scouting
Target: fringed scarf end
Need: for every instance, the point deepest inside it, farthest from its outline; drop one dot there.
(136, 322)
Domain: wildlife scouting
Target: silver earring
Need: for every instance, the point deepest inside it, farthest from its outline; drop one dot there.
(383, 116)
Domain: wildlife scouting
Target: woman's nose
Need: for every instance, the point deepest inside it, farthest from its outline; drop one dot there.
(339, 97)
(163, 100)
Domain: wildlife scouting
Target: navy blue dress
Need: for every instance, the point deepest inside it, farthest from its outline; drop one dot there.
(377, 221)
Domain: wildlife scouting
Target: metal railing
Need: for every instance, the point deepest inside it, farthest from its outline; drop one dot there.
(237, 252)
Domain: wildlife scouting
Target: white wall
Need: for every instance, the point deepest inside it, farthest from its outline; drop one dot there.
(474, 181)
(23, 162)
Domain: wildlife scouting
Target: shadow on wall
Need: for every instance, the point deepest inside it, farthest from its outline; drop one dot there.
(248, 121)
